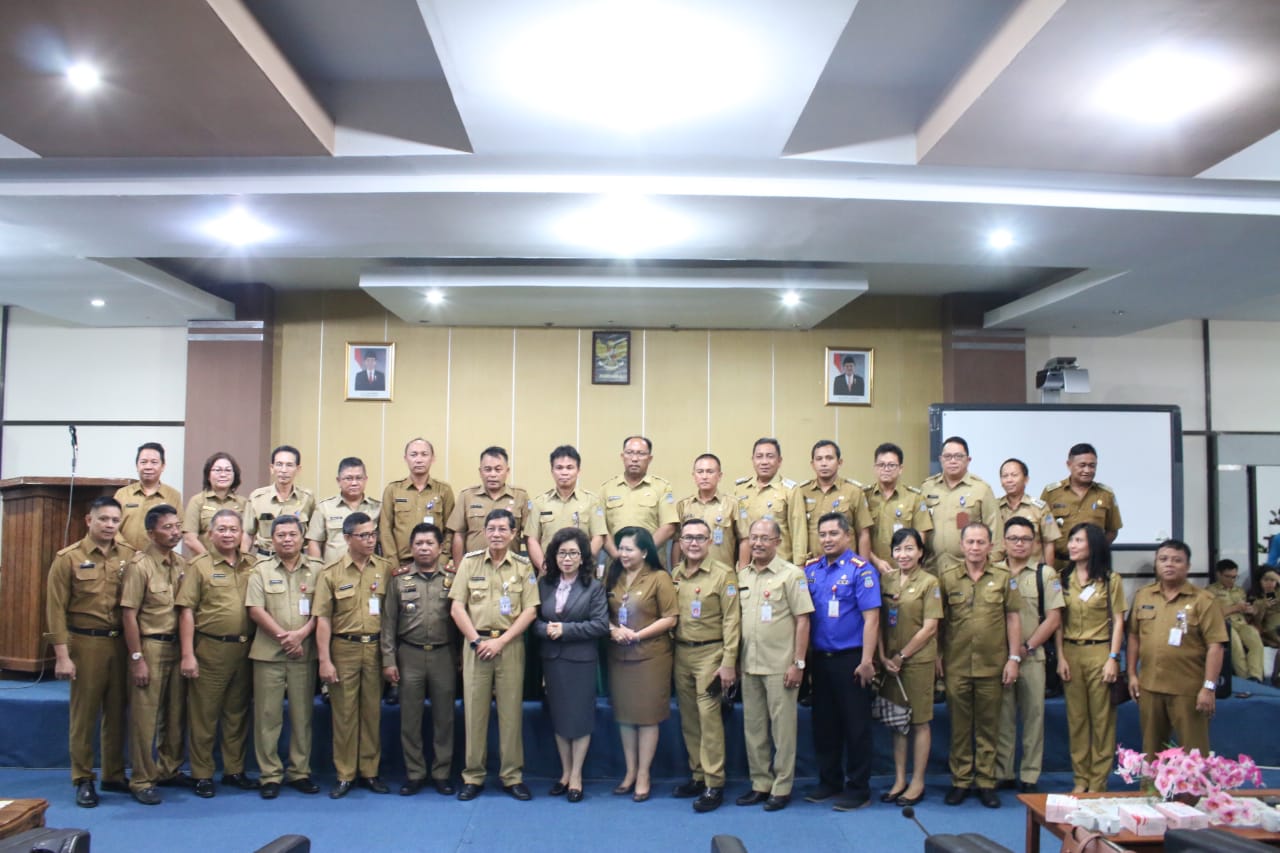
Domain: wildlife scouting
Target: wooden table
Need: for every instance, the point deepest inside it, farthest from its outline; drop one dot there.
(1035, 804)
(21, 815)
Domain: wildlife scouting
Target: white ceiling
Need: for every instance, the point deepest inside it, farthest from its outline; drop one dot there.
(859, 140)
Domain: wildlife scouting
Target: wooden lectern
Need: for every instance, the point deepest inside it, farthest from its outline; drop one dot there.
(35, 529)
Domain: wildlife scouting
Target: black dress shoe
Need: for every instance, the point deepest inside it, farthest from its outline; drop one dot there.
(469, 791)
(519, 790)
(177, 780)
(820, 794)
(623, 790)
(305, 786)
(956, 796)
(240, 780)
(638, 797)
(889, 796)
(851, 802)
(86, 796)
(117, 786)
(909, 801)
(777, 803)
(443, 787)
(1028, 788)
(1007, 785)
(204, 788)
(412, 786)
(752, 798)
(269, 790)
(711, 799)
(340, 790)
(373, 783)
(575, 795)
(147, 796)
(558, 789)
(692, 788)
(989, 798)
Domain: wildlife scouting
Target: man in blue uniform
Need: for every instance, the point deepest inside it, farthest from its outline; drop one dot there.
(845, 626)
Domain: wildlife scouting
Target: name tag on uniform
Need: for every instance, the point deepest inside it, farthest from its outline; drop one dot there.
(896, 527)
(893, 617)
(833, 608)
(1175, 636)
(717, 536)
(1087, 593)
(504, 605)
(375, 605)
(695, 609)
(304, 607)
(766, 612)
(428, 519)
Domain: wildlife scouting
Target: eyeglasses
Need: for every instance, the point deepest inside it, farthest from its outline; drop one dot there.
(762, 538)
(352, 479)
(889, 466)
(635, 454)
(1020, 540)
(222, 470)
(954, 457)
(568, 555)
(694, 538)
(372, 534)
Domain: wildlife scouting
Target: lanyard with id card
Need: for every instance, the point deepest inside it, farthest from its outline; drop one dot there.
(504, 603)
(833, 605)
(304, 603)
(1180, 628)
(695, 606)
(766, 609)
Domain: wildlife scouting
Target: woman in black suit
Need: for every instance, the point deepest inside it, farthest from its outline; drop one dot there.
(573, 615)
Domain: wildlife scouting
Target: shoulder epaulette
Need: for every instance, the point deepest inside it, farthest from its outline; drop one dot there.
(809, 482)
(476, 553)
(1104, 487)
(858, 561)
(520, 558)
(658, 479)
(1035, 502)
(910, 489)
(741, 481)
(933, 478)
(69, 548)
(790, 484)
(1058, 485)
(813, 562)
(854, 483)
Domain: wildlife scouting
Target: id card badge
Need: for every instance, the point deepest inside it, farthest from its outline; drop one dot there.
(717, 536)
(1175, 636)
(1087, 592)
(304, 607)
(893, 616)
(695, 609)
(766, 612)
(833, 608)
(896, 527)
(375, 605)
(428, 519)
(622, 615)
(504, 605)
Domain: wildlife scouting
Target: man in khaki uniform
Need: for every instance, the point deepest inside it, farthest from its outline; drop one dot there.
(284, 658)
(1246, 642)
(718, 510)
(1026, 696)
(214, 628)
(416, 499)
(707, 635)
(1016, 502)
(282, 497)
(325, 539)
(563, 505)
(157, 698)
(981, 640)
(419, 653)
(824, 493)
(1176, 637)
(143, 494)
(476, 502)
(494, 600)
(83, 613)
(1080, 498)
(775, 606)
(636, 498)
(348, 609)
(893, 506)
(955, 497)
(769, 496)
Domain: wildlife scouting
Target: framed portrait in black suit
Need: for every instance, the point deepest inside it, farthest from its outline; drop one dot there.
(847, 375)
(370, 371)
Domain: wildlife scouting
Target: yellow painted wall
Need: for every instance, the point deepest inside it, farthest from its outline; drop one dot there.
(530, 389)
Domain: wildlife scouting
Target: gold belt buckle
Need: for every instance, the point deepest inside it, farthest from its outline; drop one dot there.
(493, 635)
(242, 639)
(366, 639)
(113, 634)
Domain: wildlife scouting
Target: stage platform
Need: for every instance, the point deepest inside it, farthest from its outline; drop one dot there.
(33, 734)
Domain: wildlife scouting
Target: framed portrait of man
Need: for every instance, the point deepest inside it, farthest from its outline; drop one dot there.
(847, 376)
(370, 371)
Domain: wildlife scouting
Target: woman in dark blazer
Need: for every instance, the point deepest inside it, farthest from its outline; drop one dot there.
(573, 615)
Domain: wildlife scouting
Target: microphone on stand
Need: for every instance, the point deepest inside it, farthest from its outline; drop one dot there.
(71, 490)
(910, 814)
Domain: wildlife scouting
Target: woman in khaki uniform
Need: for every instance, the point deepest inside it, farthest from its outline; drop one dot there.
(221, 479)
(909, 614)
(1267, 609)
(642, 610)
(1089, 654)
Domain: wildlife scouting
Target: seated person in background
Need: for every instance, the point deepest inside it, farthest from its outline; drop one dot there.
(1246, 645)
(1266, 611)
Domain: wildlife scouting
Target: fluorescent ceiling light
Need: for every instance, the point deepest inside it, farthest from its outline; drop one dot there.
(633, 67)
(791, 299)
(434, 297)
(1001, 238)
(1165, 85)
(624, 225)
(239, 228)
(83, 77)
(98, 302)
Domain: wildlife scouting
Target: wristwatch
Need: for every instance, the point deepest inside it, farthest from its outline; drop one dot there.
(799, 663)
(475, 644)
(135, 656)
(1015, 658)
(1210, 685)
(903, 655)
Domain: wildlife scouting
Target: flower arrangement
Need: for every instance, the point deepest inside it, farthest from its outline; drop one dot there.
(1176, 774)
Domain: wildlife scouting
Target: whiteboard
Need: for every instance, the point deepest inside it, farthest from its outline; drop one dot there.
(1139, 455)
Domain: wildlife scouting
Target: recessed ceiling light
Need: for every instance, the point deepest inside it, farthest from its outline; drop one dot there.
(435, 297)
(625, 226)
(98, 303)
(791, 299)
(83, 77)
(1001, 238)
(1165, 85)
(239, 228)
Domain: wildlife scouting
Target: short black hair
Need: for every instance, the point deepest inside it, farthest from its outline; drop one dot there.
(494, 450)
(285, 521)
(955, 439)
(350, 462)
(1018, 521)
(837, 517)
(288, 448)
(691, 522)
(1025, 471)
(821, 443)
(566, 451)
(150, 445)
(351, 522)
(156, 513)
(976, 525)
(500, 513)
(711, 456)
(423, 527)
(1175, 545)
(1081, 449)
(104, 500)
(773, 441)
(1225, 565)
(631, 438)
(888, 447)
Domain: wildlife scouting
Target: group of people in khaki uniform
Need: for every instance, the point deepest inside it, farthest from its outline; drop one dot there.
(282, 590)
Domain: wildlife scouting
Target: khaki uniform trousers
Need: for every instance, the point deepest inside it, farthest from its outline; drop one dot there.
(100, 691)
(1246, 651)
(974, 703)
(502, 679)
(424, 673)
(1091, 719)
(769, 719)
(1026, 699)
(273, 682)
(157, 717)
(700, 720)
(356, 703)
(1162, 714)
(220, 695)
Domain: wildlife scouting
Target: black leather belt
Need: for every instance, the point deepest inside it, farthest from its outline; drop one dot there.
(490, 635)
(359, 638)
(1086, 642)
(163, 638)
(227, 638)
(96, 632)
(426, 647)
(856, 650)
(696, 643)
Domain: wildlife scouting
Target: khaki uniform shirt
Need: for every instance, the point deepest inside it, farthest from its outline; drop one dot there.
(1086, 615)
(953, 508)
(721, 515)
(905, 507)
(1098, 506)
(151, 583)
(286, 596)
(775, 501)
(847, 497)
(265, 507)
(1228, 596)
(474, 504)
(85, 582)
(548, 513)
(481, 585)
(346, 595)
(975, 639)
(417, 611)
(906, 601)
(650, 597)
(1037, 512)
(201, 509)
(649, 505)
(769, 648)
(326, 523)
(134, 505)
(214, 589)
(1029, 596)
(404, 507)
(1178, 670)
(708, 604)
